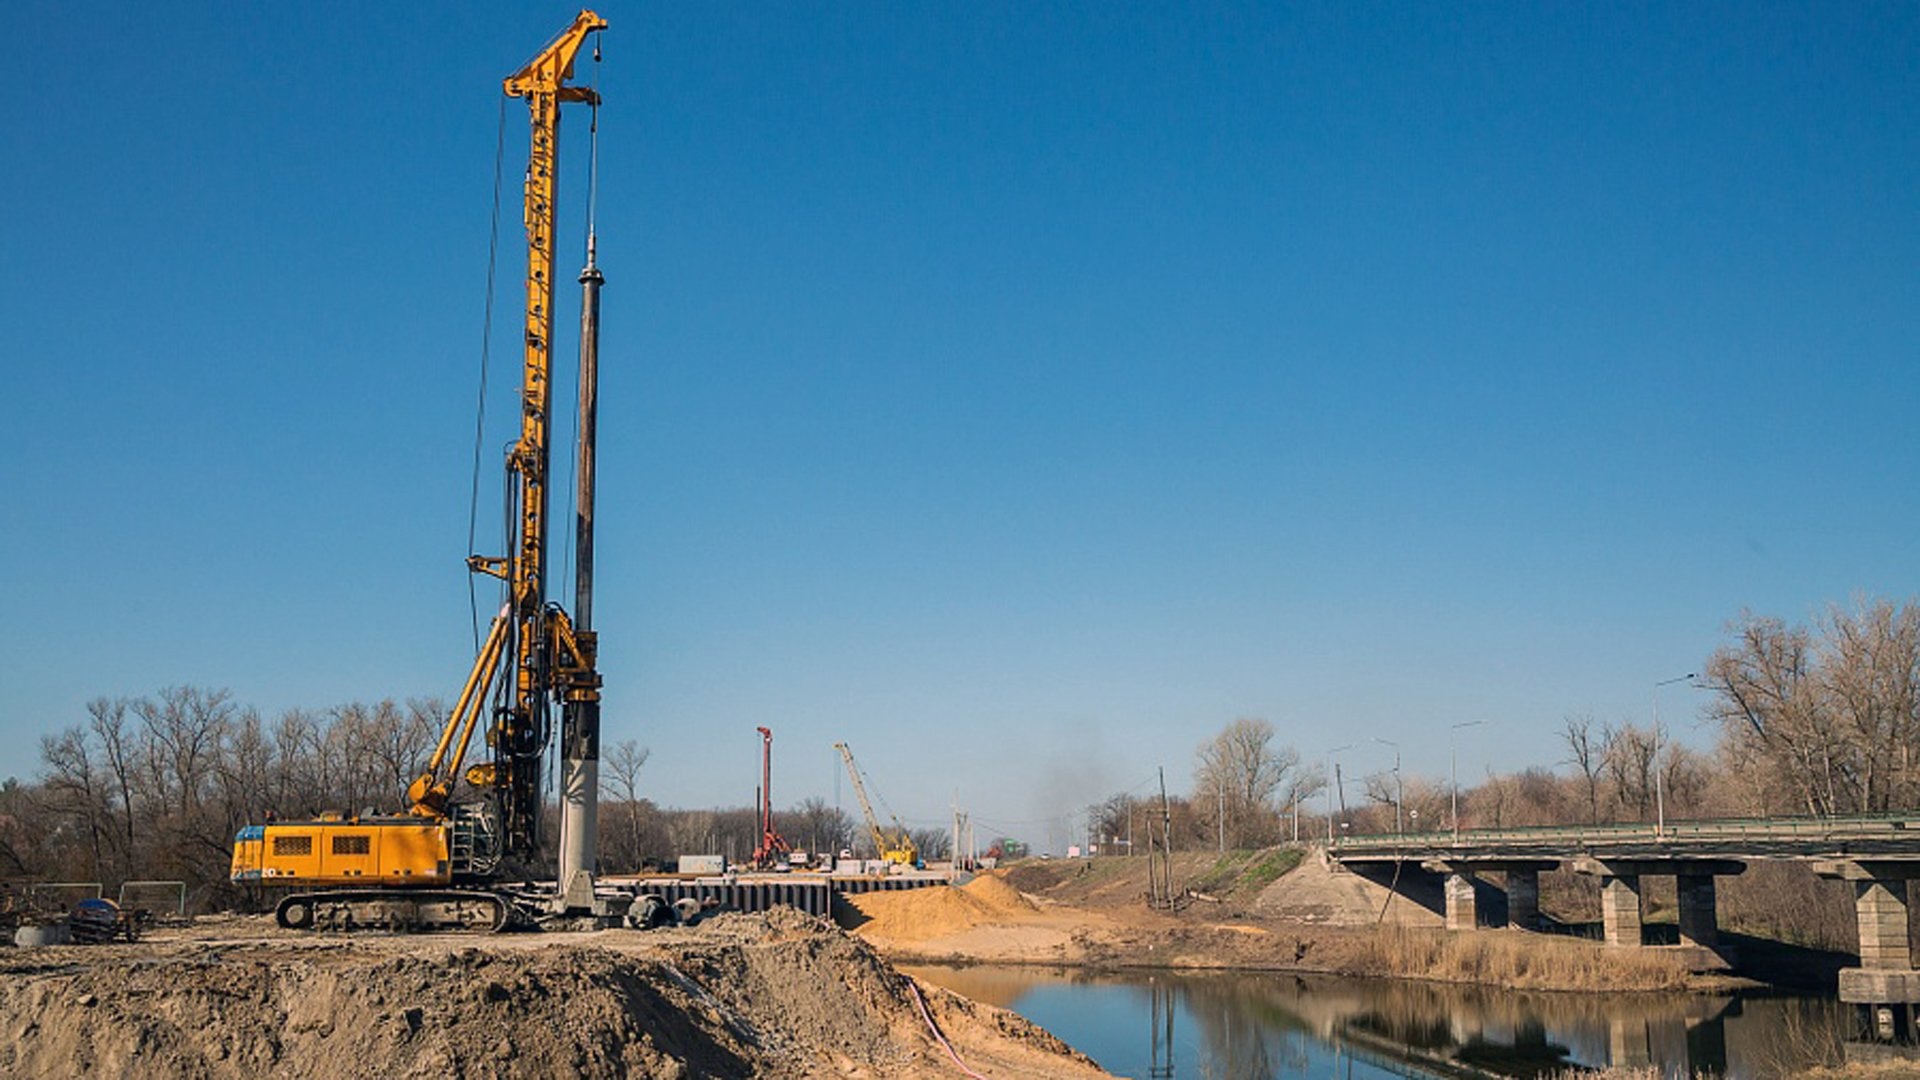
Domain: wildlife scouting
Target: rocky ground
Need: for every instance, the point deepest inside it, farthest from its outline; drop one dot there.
(775, 995)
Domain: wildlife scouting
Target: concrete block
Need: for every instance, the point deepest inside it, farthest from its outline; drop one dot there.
(1699, 924)
(1620, 909)
(1463, 910)
(1869, 986)
(1523, 899)
(1880, 905)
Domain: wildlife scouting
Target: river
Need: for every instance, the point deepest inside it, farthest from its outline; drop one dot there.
(1246, 1026)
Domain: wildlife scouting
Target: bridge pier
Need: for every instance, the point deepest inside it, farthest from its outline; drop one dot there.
(1620, 910)
(1885, 987)
(1622, 913)
(1465, 908)
(1523, 898)
(1699, 924)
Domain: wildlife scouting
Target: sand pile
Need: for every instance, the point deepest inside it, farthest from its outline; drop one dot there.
(939, 911)
(779, 994)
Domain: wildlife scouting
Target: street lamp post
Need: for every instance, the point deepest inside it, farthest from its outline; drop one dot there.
(1399, 792)
(1330, 754)
(1659, 786)
(1453, 769)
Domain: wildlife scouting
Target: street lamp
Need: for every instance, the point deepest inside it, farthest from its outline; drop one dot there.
(1399, 793)
(1453, 769)
(1659, 787)
(1330, 754)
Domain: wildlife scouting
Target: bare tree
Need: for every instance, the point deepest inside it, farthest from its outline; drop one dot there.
(1629, 766)
(820, 825)
(932, 844)
(1240, 771)
(1588, 754)
(107, 723)
(621, 778)
(1827, 715)
(73, 790)
(1112, 820)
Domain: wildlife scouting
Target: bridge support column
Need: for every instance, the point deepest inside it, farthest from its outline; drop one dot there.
(1886, 986)
(1620, 908)
(1620, 900)
(1880, 907)
(1463, 909)
(1699, 925)
(1523, 899)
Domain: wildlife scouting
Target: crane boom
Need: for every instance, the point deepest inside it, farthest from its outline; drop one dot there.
(549, 657)
(900, 850)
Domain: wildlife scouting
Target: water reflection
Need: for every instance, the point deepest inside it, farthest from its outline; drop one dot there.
(1247, 1026)
(1161, 1067)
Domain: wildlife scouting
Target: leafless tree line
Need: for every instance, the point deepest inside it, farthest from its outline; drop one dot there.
(156, 787)
(1820, 719)
(1814, 719)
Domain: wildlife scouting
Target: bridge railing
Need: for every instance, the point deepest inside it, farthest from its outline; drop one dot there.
(1894, 826)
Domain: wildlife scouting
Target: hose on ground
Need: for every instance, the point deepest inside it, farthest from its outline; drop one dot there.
(941, 1039)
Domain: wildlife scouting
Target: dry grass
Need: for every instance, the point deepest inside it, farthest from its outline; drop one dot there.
(1880, 1071)
(1517, 960)
(1609, 1073)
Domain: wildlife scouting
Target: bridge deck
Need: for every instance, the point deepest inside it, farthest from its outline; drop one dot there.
(1893, 837)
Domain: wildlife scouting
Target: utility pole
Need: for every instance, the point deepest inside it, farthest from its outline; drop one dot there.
(1399, 792)
(1160, 883)
(1659, 789)
(1220, 793)
(1330, 754)
(1453, 770)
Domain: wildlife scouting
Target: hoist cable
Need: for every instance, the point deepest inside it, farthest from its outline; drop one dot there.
(486, 356)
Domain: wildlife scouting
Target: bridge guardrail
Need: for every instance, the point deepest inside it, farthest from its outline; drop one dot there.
(1896, 827)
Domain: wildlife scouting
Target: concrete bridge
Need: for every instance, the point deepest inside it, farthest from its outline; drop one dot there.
(1878, 855)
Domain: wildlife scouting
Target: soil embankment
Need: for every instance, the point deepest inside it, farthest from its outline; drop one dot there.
(776, 995)
(1251, 914)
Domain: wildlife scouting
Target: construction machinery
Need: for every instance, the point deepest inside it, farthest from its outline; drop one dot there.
(773, 849)
(448, 861)
(895, 847)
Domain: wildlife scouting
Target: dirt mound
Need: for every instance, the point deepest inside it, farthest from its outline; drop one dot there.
(940, 910)
(779, 994)
(1315, 892)
(996, 893)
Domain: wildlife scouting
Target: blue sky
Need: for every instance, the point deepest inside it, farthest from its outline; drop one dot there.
(1018, 392)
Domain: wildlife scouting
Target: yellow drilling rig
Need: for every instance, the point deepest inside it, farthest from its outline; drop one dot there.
(451, 860)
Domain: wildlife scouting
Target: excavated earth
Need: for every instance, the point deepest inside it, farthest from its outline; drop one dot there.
(779, 994)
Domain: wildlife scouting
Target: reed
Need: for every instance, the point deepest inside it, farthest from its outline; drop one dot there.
(1517, 960)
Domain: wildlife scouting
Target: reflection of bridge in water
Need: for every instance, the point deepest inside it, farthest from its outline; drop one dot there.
(1243, 1025)
(1877, 855)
